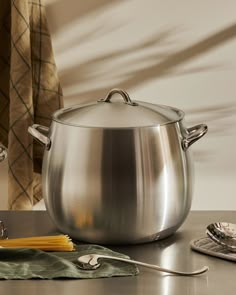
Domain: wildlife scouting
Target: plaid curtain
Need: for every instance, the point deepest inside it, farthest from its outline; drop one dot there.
(29, 93)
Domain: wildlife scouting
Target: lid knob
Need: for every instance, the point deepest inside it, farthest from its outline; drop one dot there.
(123, 93)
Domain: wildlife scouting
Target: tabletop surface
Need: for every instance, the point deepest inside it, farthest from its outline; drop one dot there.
(173, 252)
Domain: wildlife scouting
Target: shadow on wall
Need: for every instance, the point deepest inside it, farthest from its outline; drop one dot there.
(131, 64)
(224, 113)
(136, 64)
(221, 118)
(151, 65)
(74, 10)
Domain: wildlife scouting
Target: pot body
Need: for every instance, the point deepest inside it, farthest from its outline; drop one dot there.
(117, 186)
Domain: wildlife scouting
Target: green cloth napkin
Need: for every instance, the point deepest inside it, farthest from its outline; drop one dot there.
(24, 264)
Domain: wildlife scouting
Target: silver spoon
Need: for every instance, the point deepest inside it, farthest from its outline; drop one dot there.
(223, 233)
(90, 262)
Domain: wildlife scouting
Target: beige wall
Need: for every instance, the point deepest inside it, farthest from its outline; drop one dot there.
(179, 53)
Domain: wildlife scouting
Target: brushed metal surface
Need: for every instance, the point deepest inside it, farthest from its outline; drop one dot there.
(171, 252)
(118, 172)
(128, 185)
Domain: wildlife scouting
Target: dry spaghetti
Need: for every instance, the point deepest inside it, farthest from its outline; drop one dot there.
(45, 243)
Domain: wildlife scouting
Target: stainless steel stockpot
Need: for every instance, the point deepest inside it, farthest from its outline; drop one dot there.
(118, 171)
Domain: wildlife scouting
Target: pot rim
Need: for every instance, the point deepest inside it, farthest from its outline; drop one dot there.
(117, 128)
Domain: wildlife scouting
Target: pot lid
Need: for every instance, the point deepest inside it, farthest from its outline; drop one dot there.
(124, 113)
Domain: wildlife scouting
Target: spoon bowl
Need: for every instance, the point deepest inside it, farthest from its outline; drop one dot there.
(223, 233)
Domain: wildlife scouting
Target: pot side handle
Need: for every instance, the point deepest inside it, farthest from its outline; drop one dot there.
(193, 134)
(37, 132)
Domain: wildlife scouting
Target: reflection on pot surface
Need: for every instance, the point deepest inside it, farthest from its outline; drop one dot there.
(118, 172)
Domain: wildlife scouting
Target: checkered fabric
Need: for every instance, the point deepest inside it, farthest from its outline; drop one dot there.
(29, 93)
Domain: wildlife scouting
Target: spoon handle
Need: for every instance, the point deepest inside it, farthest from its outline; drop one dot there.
(156, 267)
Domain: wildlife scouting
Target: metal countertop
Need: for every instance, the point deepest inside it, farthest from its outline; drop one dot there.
(173, 252)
